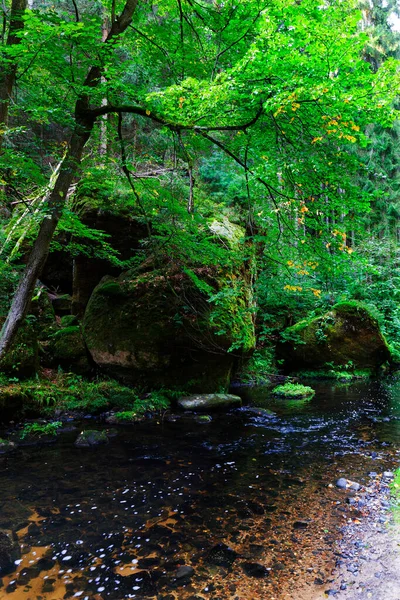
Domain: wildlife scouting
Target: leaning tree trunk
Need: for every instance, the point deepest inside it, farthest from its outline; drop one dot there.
(40, 250)
(84, 119)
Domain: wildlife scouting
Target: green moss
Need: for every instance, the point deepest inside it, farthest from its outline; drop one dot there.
(111, 288)
(395, 488)
(292, 390)
(68, 321)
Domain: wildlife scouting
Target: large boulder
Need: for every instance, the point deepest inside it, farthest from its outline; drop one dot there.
(154, 330)
(346, 336)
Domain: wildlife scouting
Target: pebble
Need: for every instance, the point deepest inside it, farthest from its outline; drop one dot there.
(341, 483)
(184, 571)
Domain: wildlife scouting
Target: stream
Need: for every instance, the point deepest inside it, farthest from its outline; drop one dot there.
(244, 506)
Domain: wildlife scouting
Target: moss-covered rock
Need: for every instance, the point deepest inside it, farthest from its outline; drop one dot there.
(154, 330)
(91, 437)
(347, 336)
(292, 390)
(68, 349)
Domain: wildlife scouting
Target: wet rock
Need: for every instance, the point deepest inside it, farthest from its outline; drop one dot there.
(9, 551)
(300, 525)
(91, 437)
(209, 401)
(6, 446)
(184, 572)
(221, 555)
(354, 486)
(202, 419)
(388, 475)
(256, 550)
(341, 483)
(255, 570)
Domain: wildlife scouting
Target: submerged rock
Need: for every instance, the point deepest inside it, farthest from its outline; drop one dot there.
(91, 437)
(209, 401)
(9, 551)
(348, 334)
(221, 555)
(255, 570)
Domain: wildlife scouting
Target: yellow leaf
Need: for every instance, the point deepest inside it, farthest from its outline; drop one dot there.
(147, 112)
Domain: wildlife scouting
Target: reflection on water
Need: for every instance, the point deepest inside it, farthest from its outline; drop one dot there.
(243, 500)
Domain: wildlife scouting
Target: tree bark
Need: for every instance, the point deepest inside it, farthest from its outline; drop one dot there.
(84, 121)
(7, 77)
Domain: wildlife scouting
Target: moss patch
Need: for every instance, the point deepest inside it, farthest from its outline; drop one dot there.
(292, 390)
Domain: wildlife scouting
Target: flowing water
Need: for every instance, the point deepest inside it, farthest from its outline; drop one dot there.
(246, 500)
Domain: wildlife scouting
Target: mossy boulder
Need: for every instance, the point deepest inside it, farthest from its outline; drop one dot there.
(154, 330)
(91, 437)
(346, 336)
(68, 350)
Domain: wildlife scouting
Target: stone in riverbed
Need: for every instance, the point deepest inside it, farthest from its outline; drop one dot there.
(184, 572)
(255, 570)
(9, 551)
(221, 555)
(341, 483)
(91, 437)
(209, 401)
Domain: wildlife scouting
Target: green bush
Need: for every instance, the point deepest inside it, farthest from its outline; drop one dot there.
(39, 430)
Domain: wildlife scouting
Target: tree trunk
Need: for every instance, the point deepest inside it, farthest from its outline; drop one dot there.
(40, 250)
(7, 77)
(84, 121)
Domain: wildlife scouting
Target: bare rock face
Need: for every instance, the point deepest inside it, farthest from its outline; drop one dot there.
(153, 330)
(347, 336)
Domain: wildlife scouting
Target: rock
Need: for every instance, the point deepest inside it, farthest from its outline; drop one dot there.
(221, 555)
(300, 525)
(184, 572)
(6, 446)
(255, 570)
(341, 483)
(9, 551)
(262, 412)
(346, 334)
(91, 437)
(68, 350)
(62, 304)
(209, 401)
(388, 475)
(203, 419)
(354, 486)
(154, 330)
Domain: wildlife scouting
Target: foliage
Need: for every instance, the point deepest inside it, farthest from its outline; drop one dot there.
(259, 367)
(40, 429)
(292, 390)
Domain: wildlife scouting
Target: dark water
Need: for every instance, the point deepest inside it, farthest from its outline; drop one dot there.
(245, 499)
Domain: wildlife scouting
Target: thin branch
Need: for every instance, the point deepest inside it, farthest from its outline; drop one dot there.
(76, 11)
